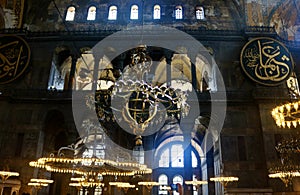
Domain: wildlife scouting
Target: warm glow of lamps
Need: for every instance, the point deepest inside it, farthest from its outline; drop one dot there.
(287, 115)
(6, 174)
(70, 165)
(39, 183)
(224, 180)
(42, 180)
(195, 183)
(286, 177)
(148, 184)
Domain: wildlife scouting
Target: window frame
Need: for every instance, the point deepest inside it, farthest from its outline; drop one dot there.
(156, 14)
(94, 15)
(110, 13)
(201, 16)
(178, 12)
(163, 184)
(68, 17)
(134, 14)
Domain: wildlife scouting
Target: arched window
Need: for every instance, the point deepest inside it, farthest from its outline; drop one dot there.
(178, 12)
(173, 154)
(70, 14)
(134, 12)
(60, 69)
(164, 158)
(177, 155)
(194, 160)
(91, 13)
(112, 12)
(156, 12)
(177, 180)
(200, 13)
(163, 181)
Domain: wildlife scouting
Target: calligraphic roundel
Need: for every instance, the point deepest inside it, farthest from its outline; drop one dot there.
(14, 57)
(266, 61)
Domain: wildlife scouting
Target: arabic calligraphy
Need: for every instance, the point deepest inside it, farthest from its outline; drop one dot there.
(14, 57)
(266, 61)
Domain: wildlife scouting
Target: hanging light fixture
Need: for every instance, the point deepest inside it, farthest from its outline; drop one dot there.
(87, 159)
(288, 114)
(6, 174)
(137, 101)
(288, 167)
(39, 183)
(224, 180)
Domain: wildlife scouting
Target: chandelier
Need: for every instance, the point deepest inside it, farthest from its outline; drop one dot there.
(289, 167)
(39, 183)
(6, 174)
(136, 100)
(148, 184)
(224, 180)
(285, 173)
(289, 146)
(86, 159)
(81, 182)
(288, 115)
(90, 166)
(195, 183)
(122, 185)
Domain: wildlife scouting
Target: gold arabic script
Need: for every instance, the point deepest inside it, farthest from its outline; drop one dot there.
(12, 59)
(268, 62)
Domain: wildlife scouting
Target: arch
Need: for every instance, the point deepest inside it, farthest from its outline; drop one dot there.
(178, 181)
(134, 12)
(70, 14)
(54, 129)
(156, 12)
(92, 13)
(204, 74)
(60, 68)
(171, 152)
(181, 69)
(112, 12)
(84, 71)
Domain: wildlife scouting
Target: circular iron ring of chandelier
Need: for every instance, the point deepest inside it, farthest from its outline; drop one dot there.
(90, 166)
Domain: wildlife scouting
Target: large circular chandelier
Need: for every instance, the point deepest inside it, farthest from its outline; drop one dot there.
(136, 100)
(288, 114)
(90, 166)
(91, 160)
